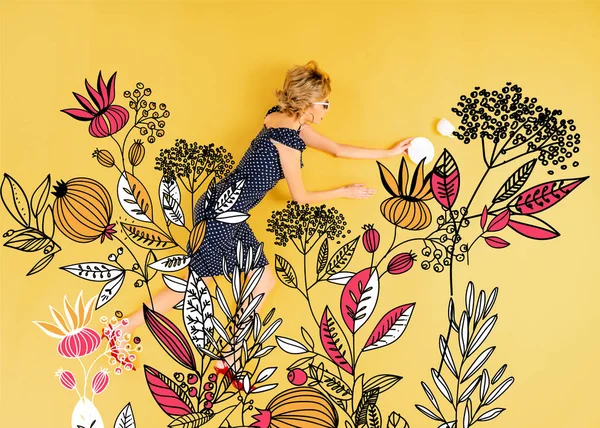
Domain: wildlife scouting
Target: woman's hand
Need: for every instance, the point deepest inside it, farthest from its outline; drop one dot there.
(401, 147)
(357, 191)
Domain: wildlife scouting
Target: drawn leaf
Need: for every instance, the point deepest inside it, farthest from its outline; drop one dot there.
(323, 255)
(198, 311)
(197, 236)
(482, 334)
(483, 219)
(478, 363)
(490, 414)
(193, 419)
(447, 356)
(48, 222)
(41, 264)
(445, 180)
(442, 385)
(168, 187)
(167, 393)
(532, 227)
(359, 298)
(40, 196)
(430, 396)
(172, 210)
(125, 418)
(232, 217)
(171, 263)
(368, 398)
(373, 416)
(381, 382)
(110, 290)
(543, 196)
(390, 328)
(146, 237)
(341, 278)
(427, 412)
(342, 257)
(515, 182)
(332, 384)
(28, 240)
(500, 389)
(467, 392)
(290, 346)
(134, 197)
(229, 197)
(499, 222)
(334, 341)
(99, 272)
(285, 272)
(15, 200)
(496, 242)
(463, 333)
(388, 180)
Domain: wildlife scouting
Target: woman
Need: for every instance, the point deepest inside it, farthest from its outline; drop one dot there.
(274, 154)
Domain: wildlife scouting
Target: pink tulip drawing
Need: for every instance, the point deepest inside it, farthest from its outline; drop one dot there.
(107, 119)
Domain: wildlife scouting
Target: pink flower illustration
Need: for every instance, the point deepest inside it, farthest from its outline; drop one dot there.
(77, 340)
(107, 119)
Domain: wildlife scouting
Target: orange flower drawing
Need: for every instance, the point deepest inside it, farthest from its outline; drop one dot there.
(76, 340)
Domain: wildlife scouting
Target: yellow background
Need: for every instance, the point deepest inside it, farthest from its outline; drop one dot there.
(396, 67)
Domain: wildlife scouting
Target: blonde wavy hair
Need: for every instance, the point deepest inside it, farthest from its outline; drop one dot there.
(303, 85)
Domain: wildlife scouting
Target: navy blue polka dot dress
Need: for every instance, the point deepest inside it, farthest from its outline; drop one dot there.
(260, 169)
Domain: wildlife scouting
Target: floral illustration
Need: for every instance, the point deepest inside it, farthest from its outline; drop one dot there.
(428, 220)
(78, 340)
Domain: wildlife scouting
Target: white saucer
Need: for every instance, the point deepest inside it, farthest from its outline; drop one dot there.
(419, 148)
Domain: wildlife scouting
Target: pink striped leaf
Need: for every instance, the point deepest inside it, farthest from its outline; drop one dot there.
(445, 180)
(359, 298)
(334, 341)
(543, 196)
(532, 227)
(499, 222)
(390, 328)
(495, 242)
(168, 394)
(483, 219)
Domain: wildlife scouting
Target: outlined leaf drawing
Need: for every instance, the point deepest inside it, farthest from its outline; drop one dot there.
(532, 227)
(169, 188)
(134, 198)
(125, 418)
(15, 200)
(445, 180)
(285, 272)
(229, 197)
(147, 238)
(342, 257)
(390, 328)
(198, 310)
(169, 396)
(359, 298)
(515, 182)
(171, 263)
(543, 196)
(334, 341)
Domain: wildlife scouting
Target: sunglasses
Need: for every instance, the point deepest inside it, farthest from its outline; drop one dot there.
(325, 103)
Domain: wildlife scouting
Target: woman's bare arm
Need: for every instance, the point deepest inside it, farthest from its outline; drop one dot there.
(317, 141)
(290, 164)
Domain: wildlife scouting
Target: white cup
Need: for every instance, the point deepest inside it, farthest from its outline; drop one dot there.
(445, 128)
(419, 148)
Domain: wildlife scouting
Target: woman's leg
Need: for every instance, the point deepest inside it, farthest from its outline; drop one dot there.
(163, 302)
(264, 286)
